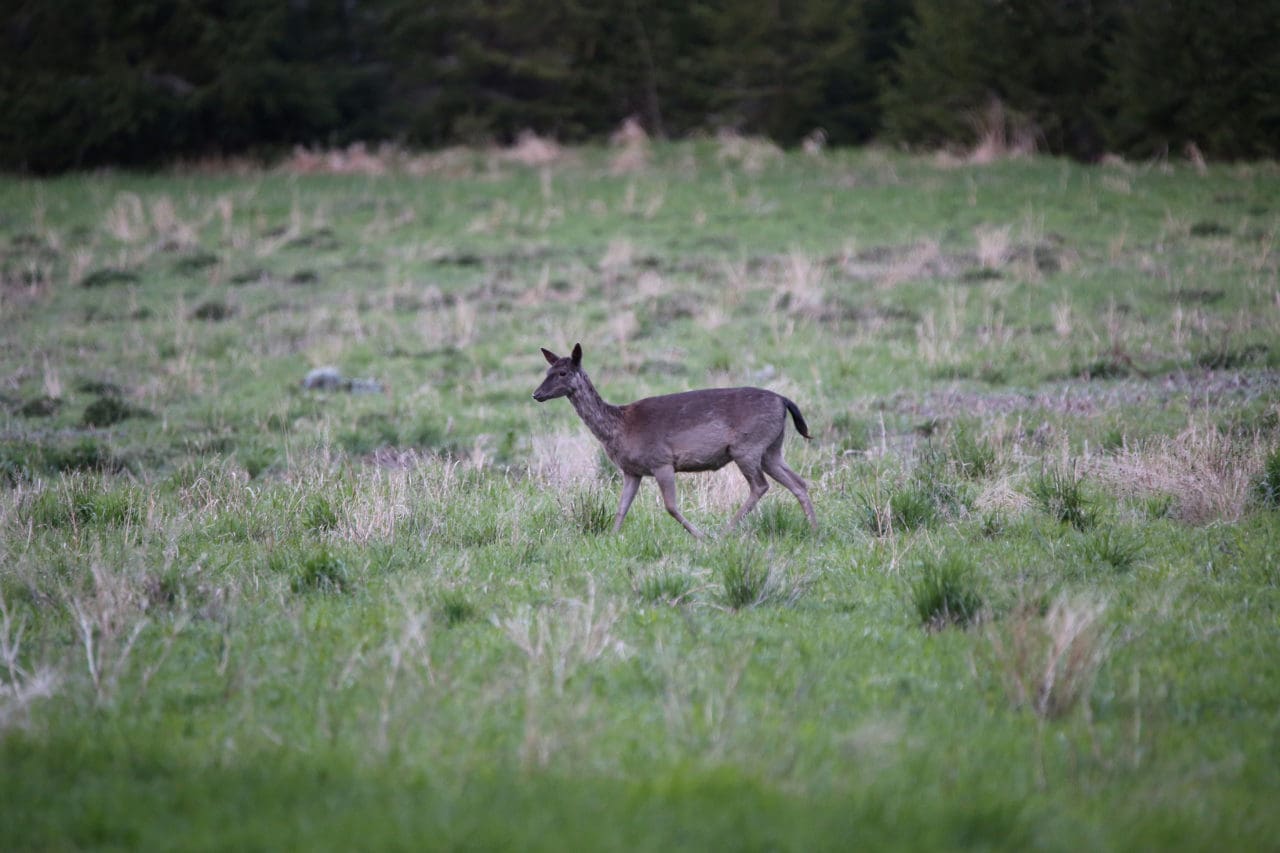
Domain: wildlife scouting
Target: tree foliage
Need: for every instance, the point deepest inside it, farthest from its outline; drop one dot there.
(141, 82)
(1197, 72)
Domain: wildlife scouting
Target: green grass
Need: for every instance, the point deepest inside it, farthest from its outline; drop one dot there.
(1117, 549)
(664, 586)
(237, 612)
(746, 574)
(1061, 494)
(945, 592)
(1269, 481)
(592, 512)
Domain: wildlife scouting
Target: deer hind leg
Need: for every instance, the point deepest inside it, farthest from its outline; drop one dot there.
(666, 478)
(778, 470)
(759, 485)
(630, 485)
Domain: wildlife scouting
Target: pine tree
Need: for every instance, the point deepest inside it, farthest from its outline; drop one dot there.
(944, 73)
(1042, 61)
(1197, 72)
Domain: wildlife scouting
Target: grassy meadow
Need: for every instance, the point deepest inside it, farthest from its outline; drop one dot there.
(1042, 610)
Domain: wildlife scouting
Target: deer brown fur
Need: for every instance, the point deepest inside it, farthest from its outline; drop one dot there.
(691, 431)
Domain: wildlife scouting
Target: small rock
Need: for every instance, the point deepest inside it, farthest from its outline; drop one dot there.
(323, 379)
(329, 378)
(364, 386)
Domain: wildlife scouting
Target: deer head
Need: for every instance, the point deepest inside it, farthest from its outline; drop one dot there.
(563, 377)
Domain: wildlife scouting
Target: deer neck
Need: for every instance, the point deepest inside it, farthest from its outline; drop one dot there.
(603, 419)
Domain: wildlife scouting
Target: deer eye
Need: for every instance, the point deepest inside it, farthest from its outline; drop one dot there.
(564, 373)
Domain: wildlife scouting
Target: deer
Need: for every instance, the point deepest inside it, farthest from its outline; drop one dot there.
(701, 430)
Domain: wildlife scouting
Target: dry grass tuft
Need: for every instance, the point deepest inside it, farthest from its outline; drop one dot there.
(999, 135)
(1196, 158)
(753, 154)
(801, 292)
(386, 158)
(1048, 661)
(355, 159)
(561, 460)
(52, 381)
(1002, 135)
(559, 639)
(630, 160)
(815, 143)
(715, 492)
(1063, 321)
(20, 688)
(940, 338)
(382, 500)
(630, 132)
(408, 656)
(1000, 496)
(633, 151)
(1208, 474)
(157, 222)
(127, 219)
(618, 257)
(994, 247)
(455, 162)
(915, 262)
(109, 616)
(530, 149)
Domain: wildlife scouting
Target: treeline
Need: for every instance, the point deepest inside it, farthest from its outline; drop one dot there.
(141, 82)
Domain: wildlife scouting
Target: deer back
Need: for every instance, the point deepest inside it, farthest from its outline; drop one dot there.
(698, 430)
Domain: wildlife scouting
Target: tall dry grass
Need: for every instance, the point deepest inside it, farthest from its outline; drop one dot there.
(1208, 474)
(1047, 662)
(998, 135)
(21, 684)
(752, 154)
(909, 265)
(562, 461)
(556, 641)
(631, 148)
(801, 288)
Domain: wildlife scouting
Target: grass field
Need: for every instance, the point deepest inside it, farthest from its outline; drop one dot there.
(1042, 610)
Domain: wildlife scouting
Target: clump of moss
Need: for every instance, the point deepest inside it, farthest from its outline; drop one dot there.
(40, 407)
(101, 387)
(213, 311)
(194, 263)
(109, 410)
(108, 276)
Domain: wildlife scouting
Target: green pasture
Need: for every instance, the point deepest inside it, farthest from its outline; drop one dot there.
(1041, 611)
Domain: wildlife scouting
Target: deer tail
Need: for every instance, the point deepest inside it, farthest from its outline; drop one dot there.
(801, 426)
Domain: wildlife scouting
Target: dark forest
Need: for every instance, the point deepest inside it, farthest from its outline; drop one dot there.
(140, 83)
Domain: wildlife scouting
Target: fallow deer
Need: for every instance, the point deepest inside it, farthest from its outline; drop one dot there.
(690, 431)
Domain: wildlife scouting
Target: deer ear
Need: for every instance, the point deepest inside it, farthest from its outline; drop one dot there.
(551, 357)
(577, 354)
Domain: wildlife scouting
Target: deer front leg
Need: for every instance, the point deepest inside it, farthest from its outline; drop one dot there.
(666, 478)
(630, 485)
